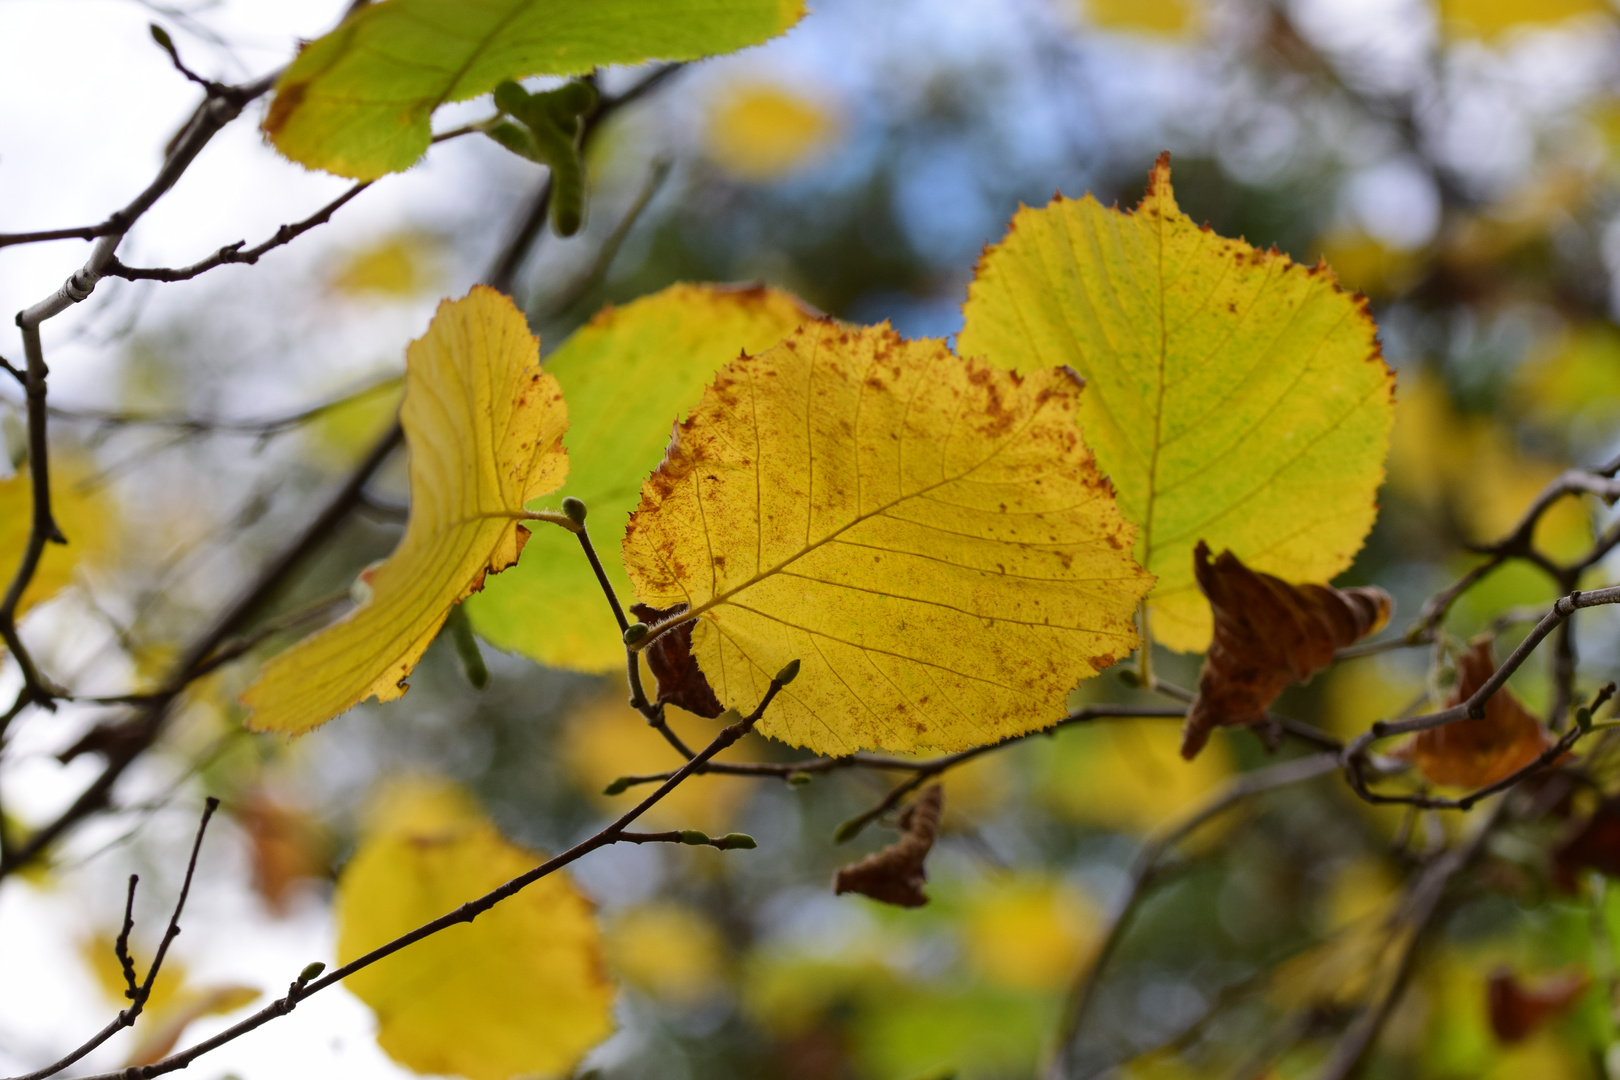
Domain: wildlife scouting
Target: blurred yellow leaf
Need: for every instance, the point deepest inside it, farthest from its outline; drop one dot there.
(1492, 18)
(1359, 889)
(790, 995)
(1232, 396)
(1473, 467)
(1367, 265)
(628, 374)
(97, 953)
(1357, 694)
(484, 425)
(606, 739)
(1574, 378)
(521, 990)
(1030, 933)
(400, 265)
(927, 535)
(359, 101)
(669, 950)
(759, 131)
(1169, 18)
(348, 427)
(1129, 775)
(86, 519)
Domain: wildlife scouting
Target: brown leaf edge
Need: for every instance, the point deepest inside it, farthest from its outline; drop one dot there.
(896, 874)
(680, 681)
(1517, 1010)
(1268, 633)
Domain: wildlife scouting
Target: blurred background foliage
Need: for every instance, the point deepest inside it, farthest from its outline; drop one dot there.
(1457, 161)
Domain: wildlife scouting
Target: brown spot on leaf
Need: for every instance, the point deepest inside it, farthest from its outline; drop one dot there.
(680, 681)
(287, 100)
(1268, 633)
(896, 874)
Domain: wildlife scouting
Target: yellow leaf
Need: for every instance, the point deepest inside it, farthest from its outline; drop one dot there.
(1129, 775)
(85, 519)
(1169, 18)
(484, 426)
(358, 102)
(668, 950)
(760, 131)
(607, 739)
(1492, 18)
(927, 535)
(399, 265)
(628, 375)
(1232, 396)
(1030, 933)
(521, 990)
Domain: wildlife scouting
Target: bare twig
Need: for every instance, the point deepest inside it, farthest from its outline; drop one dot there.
(138, 995)
(236, 252)
(466, 913)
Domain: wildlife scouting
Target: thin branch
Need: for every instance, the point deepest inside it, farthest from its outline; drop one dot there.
(1420, 910)
(121, 946)
(236, 252)
(1146, 868)
(466, 913)
(139, 995)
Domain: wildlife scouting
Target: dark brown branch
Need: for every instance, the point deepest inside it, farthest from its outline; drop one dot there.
(466, 913)
(237, 252)
(132, 987)
(138, 995)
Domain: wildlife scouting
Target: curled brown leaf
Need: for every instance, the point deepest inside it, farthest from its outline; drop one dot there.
(1517, 1010)
(680, 681)
(1475, 753)
(1268, 633)
(896, 874)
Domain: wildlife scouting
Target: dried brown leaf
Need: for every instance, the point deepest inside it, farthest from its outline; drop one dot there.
(680, 681)
(1594, 844)
(1517, 1010)
(1268, 633)
(1474, 753)
(896, 874)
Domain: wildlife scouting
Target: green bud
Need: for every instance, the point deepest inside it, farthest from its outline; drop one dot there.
(799, 779)
(617, 787)
(161, 36)
(1583, 718)
(310, 972)
(635, 632)
(1129, 677)
(737, 841)
(512, 99)
(849, 830)
(789, 672)
(695, 838)
(574, 509)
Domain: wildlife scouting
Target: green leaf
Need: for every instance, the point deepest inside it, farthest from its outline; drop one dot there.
(1232, 396)
(628, 375)
(358, 101)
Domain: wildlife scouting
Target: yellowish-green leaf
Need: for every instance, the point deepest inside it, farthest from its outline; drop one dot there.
(403, 264)
(484, 425)
(669, 950)
(760, 131)
(83, 517)
(928, 535)
(1169, 18)
(519, 991)
(358, 102)
(628, 375)
(1492, 18)
(1231, 395)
